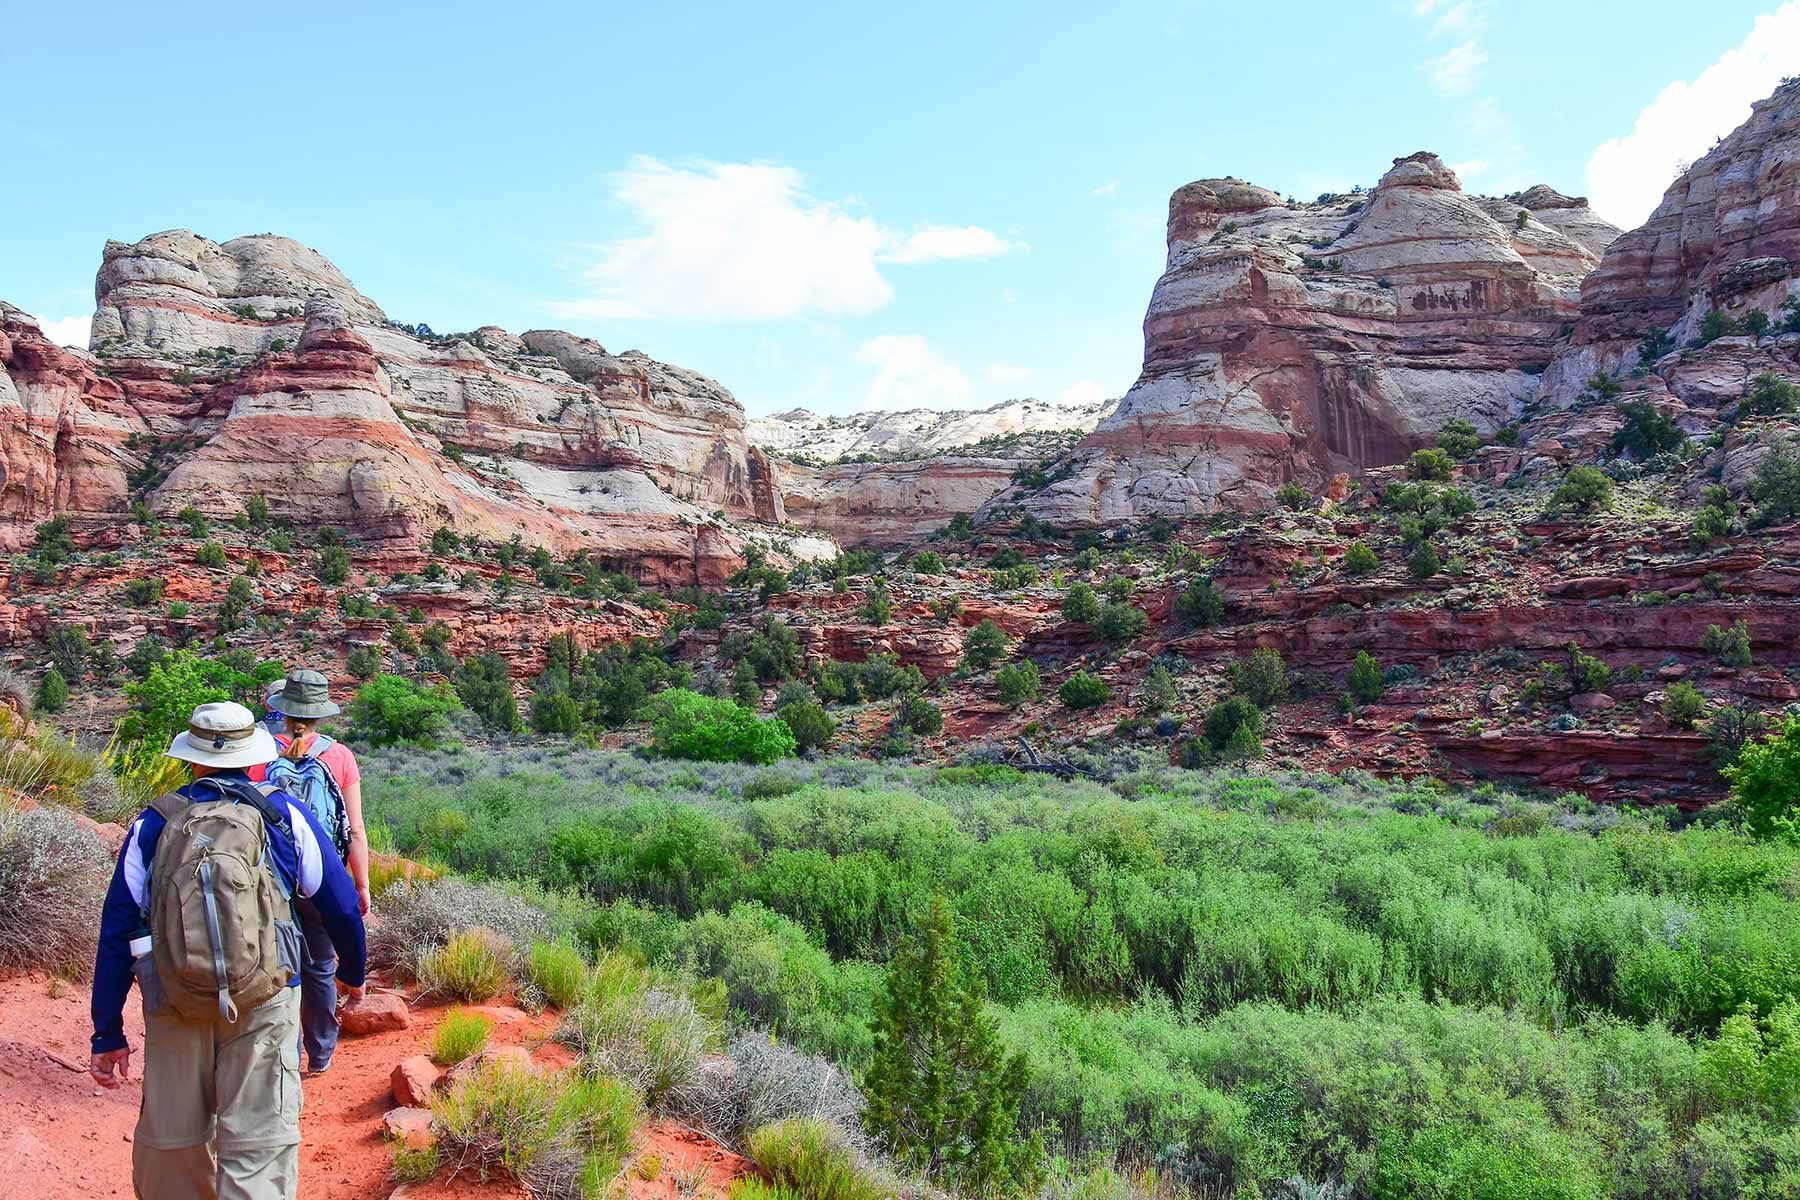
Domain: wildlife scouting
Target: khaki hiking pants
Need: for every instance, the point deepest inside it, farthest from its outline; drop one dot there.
(233, 1089)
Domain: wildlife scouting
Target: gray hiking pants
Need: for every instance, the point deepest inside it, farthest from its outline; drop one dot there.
(221, 1113)
(318, 987)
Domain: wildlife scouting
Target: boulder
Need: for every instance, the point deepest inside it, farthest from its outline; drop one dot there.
(377, 1012)
(413, 1080)
(410, 1127)
(1591, 702)
(505, 1057)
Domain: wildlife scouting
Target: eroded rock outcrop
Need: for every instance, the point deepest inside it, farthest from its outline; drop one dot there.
(1726, 236)
(63, 428)
(1291, 342)
(255, 366)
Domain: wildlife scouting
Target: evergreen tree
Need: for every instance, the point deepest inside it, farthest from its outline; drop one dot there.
(943, 1095)
(52, 691)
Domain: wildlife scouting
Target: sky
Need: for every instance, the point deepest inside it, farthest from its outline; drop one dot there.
(839, 207)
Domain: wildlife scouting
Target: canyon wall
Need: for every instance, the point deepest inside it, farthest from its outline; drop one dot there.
(1295, 341)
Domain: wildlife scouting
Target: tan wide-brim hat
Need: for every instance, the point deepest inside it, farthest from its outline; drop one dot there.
(224, 735)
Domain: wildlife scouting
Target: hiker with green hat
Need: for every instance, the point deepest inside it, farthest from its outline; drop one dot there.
(199, 914)
(322, 773)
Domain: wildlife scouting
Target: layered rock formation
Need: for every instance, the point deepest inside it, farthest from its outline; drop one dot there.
(63, 429)
(1726, 236)
(920, 432)
(255, 366)
(1291, 342)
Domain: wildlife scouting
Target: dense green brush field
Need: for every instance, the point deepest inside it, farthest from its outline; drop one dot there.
(1259, 986)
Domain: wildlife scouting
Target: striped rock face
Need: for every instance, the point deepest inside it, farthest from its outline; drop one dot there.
(219, 371)
(1726, 236)
(1296, 341)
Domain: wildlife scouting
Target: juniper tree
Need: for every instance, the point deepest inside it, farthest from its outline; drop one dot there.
(943, 1095)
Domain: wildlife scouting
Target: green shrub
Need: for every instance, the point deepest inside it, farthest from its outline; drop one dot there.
(635, 1026)
(471, 966)
(688, 725)
(484, 685)
(1234, 728)
(332, 565)
(811, 1159)
(1765, 783)
(144, 593)
(557, 971)
(1716, 324)
(1647, 430)
(877, 606)
(1432, 465)
(1082, 690)
(1730, 646)
(1200, 603)
(1159, 694)
(1120, 621)
(210, 554)
(1775, 484)
(562, 1135)
(919, 715)
(1293, 497)
(1423, 562)
(52, 691)
(1683, 705)
(1080, 604)
(364, 662)
(161, 703)
(811, 725)
(1459, 438)
(1364, 681)
(1261, 678)
(985, 645)
(391, 709)
(1586, 489)
(1360, 560)
(928, 562)
(460, 1035)
(1771, 395)
(943, 1093)
(1017, 682)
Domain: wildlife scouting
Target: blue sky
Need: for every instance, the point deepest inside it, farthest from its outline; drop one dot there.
(835, 206)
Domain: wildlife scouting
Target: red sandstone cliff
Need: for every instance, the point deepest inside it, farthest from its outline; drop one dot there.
(1293, 342)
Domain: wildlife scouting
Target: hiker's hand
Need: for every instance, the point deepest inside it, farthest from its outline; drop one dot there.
(102, 1065)
(347, 993)
(362, 899)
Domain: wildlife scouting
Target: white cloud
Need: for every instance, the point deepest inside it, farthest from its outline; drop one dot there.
(1459, 20)
(1081, 392)
(67, 331)
(910, 374)
(746, 241)
(1007, 373)
(1465, 170)
(1627, 175)
(1453, 72)
(937, 243)
(1106, 189)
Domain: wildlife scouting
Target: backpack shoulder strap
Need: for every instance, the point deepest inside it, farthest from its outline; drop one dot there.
(169, 804)
(261, 799)
(321, 743)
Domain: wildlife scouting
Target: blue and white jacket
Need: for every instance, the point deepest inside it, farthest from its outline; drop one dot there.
(304, 869)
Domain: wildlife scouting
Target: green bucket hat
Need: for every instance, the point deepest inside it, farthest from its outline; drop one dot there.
(305, 695)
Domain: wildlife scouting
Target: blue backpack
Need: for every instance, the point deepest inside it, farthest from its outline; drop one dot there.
(307, 780)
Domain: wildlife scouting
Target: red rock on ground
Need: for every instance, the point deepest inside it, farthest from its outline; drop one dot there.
(409, 1126)
(413, 1080)
(375, 1013)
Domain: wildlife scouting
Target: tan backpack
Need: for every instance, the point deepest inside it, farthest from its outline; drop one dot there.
(220, 915)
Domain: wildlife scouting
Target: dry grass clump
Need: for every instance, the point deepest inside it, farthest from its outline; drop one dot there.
(562, 1135)
(471, 966)
(812, 1158)
(52, 880)
(418, 916)
(556, 972)
(632, 1024)
(775, 1081)
(459, 1035)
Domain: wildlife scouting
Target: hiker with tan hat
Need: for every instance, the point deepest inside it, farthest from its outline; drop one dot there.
(200, 915)
(321, 773)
